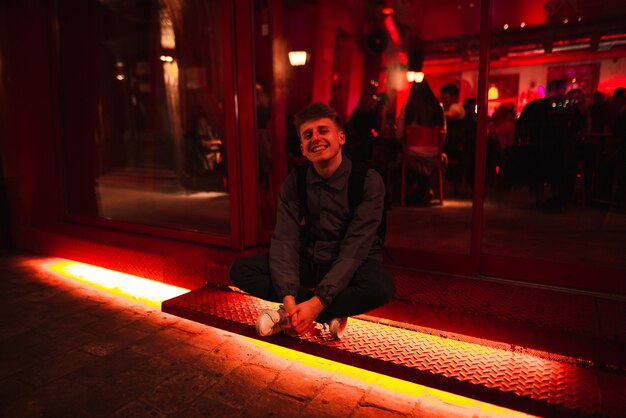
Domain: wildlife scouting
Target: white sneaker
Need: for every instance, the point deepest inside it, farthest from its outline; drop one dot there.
(271, 322)
(336, 327)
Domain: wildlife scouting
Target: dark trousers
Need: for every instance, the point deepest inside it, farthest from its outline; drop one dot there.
(370, 287)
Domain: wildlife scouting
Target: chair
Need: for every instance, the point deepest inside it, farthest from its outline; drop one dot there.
(422, 145)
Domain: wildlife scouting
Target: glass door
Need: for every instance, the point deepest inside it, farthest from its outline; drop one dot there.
(383, 66)
(555, 207)
(148, 107)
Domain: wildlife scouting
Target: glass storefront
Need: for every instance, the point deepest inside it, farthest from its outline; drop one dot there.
(378, 63)
(143, 102)
(362, 58)
(555, 151)
(147, 104)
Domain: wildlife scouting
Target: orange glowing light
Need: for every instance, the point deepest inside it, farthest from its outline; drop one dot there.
(387, 11)
(131, 287)
(149, 292)
(493, 93)
(428, 397)
(153, 293)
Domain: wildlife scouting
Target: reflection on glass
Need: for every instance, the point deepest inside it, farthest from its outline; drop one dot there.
(359, 60)
(144, 106)
(556, 156)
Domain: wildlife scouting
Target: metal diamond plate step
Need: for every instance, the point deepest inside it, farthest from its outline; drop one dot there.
(524, 380)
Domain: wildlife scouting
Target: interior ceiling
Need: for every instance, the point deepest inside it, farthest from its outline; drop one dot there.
(427, 20)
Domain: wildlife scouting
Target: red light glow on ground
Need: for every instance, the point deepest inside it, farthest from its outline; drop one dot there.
(429, 398)
(147, 292)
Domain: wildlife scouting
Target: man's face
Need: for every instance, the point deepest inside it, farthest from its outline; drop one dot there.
(321, 140)
(448, 100)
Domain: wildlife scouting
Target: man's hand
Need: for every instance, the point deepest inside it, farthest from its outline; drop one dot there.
(289, 303)
(304, 314)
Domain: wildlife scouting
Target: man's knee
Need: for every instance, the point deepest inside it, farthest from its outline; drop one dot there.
(386, 288)
(236, 271)
(379, 281)
(390, 289)
(242, 269)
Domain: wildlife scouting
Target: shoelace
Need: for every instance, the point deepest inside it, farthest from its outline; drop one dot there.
(272, 319)
(281, 318)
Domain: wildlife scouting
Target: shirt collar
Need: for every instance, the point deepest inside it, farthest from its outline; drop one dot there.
(336, 181)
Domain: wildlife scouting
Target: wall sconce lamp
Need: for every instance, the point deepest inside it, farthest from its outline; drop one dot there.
(415, 76)
(297, 58)
(493, 93)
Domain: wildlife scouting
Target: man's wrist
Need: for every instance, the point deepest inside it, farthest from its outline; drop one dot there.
(289, 303)
(317, 302)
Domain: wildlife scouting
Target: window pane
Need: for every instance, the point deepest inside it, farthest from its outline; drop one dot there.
(143, 100)
(556, 157)
(359, 57)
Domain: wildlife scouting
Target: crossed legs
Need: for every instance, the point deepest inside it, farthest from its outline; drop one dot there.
(370, 287)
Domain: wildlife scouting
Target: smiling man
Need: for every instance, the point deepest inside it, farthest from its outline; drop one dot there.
(324, 262)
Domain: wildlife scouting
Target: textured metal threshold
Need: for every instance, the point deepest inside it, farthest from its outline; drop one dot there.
(547, 385)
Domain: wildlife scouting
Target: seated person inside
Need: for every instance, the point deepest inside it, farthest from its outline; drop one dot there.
(325, 261)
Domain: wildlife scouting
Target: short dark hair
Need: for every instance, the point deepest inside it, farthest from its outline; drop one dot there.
(316, 111)
(556, 86)
(450, 88)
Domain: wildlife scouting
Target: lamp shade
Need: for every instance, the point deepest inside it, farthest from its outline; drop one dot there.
(297, 58)
(415, 76)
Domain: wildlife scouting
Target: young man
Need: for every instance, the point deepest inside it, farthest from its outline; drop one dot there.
(449, 95)
(324, 262)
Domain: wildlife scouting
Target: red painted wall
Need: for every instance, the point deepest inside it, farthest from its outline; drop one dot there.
(30, 139)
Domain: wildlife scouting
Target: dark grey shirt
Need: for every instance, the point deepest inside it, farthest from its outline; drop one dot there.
(334, 238)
